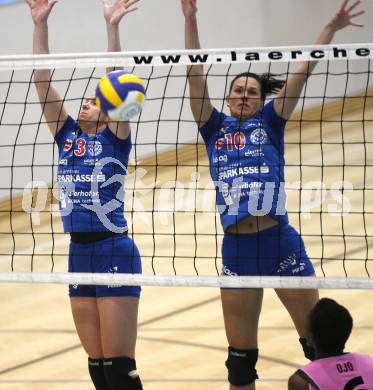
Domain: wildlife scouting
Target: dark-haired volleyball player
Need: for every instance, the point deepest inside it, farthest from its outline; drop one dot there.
(246, 154)
(330, 327)
(91, 151)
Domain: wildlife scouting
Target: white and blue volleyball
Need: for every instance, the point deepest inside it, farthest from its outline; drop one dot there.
(120, 95)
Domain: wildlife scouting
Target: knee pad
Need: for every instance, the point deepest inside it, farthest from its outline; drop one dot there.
(308, 350)
(241, 366)
(96, 372)
(120, 373)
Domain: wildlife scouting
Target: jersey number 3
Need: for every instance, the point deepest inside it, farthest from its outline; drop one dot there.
(80, 151)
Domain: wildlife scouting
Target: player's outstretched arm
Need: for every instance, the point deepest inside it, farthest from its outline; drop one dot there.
(113, 14)
(52, 105)
(288, 97)
(199, 96)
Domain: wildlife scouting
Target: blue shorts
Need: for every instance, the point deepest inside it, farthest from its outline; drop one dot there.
(277, 251)
(117, 254)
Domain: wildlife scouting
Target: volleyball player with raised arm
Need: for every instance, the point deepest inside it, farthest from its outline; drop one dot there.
(93, 158)
(333, 369)
(246, 155)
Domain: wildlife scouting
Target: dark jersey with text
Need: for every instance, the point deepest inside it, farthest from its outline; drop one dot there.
(91, 171)
(247, 165)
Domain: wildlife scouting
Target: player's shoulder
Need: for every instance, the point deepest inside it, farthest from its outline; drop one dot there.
(296, 382)
(219, 116)
(114, 144)
(268, 108)
(210, 128)
(70, 129)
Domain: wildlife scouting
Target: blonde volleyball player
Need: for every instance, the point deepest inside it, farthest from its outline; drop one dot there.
(246, 151)
(105, 316)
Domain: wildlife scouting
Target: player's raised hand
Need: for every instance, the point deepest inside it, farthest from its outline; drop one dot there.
(114, 13)
(346, 15)
(189, 7)
(40, 9)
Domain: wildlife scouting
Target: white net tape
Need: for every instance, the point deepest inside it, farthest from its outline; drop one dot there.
(188, 281)
(190, 57)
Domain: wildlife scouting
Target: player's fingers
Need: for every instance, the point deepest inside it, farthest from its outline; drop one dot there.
(343, 5)
(349, 9)
(356, 25)
(357, 14)
(130, 10)
(52, 3)
(129, 3)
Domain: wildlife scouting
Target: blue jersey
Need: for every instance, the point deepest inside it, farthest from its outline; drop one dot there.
(91, 171)
(247, 165)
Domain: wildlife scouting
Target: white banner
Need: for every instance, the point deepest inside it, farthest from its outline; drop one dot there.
(190, 57)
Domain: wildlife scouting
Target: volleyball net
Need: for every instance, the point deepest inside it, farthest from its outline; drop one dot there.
(170, 197)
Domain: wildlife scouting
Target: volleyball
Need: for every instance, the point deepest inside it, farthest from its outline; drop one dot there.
(120, 95)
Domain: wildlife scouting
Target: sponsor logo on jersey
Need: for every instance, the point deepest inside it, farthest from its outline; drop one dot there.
(297, 270)
(228, 272)
(253, 185)
(68, 145)
(247, 125)
(291, 262)
(259, 137)
(264, 169)
(222, 158)
(94, 148)
(240, 171)
(89, 161)
(219, 144)
(85, 178)
(254, 153)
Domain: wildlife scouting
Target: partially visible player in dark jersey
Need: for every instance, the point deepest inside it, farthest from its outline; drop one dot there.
(93, 158)
(246, 156)
(333, 369)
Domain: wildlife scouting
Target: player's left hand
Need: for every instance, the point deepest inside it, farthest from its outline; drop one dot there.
(114, 13)
(345, 16)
